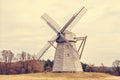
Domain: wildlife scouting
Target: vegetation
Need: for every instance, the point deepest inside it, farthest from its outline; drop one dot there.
(20, 67)
(48, 65)
(26, 63)
(114, 70)
(33, 66)
(116, 67)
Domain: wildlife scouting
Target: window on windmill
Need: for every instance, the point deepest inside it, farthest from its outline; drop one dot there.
(68, 55)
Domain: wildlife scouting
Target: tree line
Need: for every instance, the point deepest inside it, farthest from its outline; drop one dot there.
(33, 66)
(21, 67)
(9, 56)
(26, 63)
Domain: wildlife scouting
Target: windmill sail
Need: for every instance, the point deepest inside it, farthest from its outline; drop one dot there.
(74, 19)
(46, 47)
(51, 22)
(43, 50)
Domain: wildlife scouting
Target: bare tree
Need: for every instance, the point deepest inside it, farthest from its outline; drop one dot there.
(28, 56)
(116, 67)
(7, 55)
(18, 57)
(23, 56)
(4, 55)
(34, 57)
(10, 56)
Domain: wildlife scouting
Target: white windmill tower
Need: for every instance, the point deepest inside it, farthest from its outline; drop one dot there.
(67, 56)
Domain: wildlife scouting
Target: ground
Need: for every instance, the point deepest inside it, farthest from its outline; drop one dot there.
(60, 76)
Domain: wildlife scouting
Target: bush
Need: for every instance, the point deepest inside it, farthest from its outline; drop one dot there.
(21, 67)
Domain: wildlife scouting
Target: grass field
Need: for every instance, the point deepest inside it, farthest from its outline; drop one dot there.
(60, 76)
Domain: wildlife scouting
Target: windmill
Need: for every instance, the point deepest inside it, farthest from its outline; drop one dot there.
(67, 56)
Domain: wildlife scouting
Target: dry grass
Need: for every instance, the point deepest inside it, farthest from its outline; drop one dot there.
(60, 76)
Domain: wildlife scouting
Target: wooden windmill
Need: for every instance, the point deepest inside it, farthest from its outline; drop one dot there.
(67, 56)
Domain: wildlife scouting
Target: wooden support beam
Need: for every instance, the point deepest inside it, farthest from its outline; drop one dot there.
(83, 47)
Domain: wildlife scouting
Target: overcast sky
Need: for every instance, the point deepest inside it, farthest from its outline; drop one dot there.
(22, 29)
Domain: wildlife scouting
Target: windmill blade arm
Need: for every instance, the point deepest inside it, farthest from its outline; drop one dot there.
(67, 24)
(51, 22)
(43, 50)
(46, 47)
(84, 41)
(74, 19)
(79, 15)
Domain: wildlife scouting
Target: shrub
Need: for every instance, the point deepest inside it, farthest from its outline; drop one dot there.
(21, 67)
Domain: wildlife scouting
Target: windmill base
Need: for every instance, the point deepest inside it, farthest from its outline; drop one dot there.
(66, 59)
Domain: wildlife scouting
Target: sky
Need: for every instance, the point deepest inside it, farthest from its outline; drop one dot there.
(22, 29)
